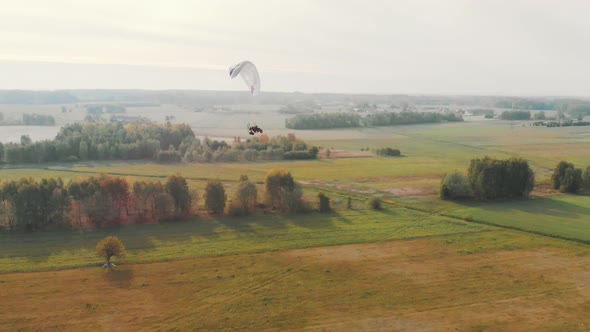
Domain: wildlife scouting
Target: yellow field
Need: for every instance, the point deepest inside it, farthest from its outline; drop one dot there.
(427, 284)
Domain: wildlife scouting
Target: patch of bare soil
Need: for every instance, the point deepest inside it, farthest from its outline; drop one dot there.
(543, 191)
(410, 191)
(334, 154)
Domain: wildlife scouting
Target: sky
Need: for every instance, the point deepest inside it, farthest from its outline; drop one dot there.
(479, 47)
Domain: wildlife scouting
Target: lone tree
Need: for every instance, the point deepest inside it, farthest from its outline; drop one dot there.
(376, 203)
(110, 246)
(215, 196)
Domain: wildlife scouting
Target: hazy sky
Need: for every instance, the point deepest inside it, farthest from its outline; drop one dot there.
(442, 47)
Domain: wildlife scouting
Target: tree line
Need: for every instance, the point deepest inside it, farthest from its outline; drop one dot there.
(489, 178)
(28, 204)
(29, 120)
(390, 152)
(99, 201)
(164, 143)
(573, 107)
(515, 115)
(106, 108)
(351, 120)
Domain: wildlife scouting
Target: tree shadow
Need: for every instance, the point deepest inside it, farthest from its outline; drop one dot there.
(314, 220)
(537, 205)
(387, 211)
(119, 277)
(340, 218)
(237, 224)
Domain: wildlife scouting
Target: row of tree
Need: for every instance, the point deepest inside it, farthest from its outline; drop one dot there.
(107, 108)
(351, 120)
(390, 152)
(573, 107)
(489, 178)
(29, 120)
(165, 143)
(94, 201)
(515, 115)
(100, 201)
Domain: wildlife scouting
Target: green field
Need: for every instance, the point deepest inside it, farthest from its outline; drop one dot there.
(225, 236)
(429, 151)
(562, 215)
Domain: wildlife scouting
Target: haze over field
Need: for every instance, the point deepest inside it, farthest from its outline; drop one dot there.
(437, 47)
(387, 165)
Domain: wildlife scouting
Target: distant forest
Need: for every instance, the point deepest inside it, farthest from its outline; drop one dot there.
(147, 97)
(163, 143)
(351, 120)
(29, 120)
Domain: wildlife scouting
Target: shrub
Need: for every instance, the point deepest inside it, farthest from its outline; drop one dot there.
(376, 203)
(388, 152)
(324, 202)
(468, 218)
(453, 186)
(313, 152)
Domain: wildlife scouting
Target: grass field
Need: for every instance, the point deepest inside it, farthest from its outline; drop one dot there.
(224, 236)
(560, 215)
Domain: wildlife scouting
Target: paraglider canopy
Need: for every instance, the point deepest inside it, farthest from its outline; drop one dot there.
(249, 74)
